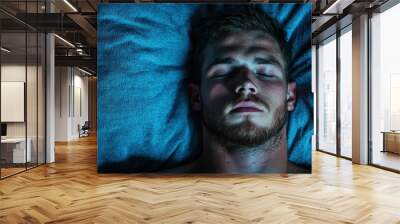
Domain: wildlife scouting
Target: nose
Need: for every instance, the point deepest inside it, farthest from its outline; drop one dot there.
(246, 88)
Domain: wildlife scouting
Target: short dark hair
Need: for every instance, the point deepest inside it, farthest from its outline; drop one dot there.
(247, 18)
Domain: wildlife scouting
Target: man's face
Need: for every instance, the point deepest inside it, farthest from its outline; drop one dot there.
(244, 92)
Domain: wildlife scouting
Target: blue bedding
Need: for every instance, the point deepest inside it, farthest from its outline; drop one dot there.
(144, 119)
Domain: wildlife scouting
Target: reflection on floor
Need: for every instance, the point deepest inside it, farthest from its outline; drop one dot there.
(10, 169)
(386, 159)
(71, 191)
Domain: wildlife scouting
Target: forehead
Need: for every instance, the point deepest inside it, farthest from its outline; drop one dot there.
(244, 44)
(248, 39)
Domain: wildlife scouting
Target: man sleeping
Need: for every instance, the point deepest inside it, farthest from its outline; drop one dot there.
(242, 89)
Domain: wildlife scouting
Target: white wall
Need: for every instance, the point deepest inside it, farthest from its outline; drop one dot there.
(9, 73)
(80, 83)
(70, 83)
(34, 125)
(62, 81)
(13, 73)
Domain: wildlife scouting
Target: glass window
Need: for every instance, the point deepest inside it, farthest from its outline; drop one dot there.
(327, 96)
(385, 88)
(346, 93)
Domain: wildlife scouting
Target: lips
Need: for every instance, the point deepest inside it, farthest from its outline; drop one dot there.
(246, 106)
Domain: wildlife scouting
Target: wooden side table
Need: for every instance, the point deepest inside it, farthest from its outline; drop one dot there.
(391, 141)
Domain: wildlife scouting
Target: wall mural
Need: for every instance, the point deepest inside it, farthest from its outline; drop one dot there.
(204, 88)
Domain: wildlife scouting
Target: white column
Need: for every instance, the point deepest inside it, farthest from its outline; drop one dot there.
(360, 90)
(50, 93)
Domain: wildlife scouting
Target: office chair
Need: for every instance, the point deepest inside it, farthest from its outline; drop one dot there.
(84, 130)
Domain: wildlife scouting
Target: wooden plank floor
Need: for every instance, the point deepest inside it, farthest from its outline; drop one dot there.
(71, 191)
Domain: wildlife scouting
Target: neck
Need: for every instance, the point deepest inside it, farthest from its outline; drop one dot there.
(269, 157)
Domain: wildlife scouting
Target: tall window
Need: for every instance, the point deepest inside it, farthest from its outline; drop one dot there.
(346, 92)
(327, 96)
(385, 88)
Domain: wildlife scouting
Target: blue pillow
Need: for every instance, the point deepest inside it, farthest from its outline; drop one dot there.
(144, 119)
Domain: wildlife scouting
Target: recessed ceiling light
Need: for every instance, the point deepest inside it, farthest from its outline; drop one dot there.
(5, 50)
(70, 5)
(64, 40)
(84, 71)
(326, 11)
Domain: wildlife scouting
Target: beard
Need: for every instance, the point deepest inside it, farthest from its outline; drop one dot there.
(246, 133)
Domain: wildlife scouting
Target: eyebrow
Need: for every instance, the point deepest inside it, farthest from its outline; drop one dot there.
(227, 60)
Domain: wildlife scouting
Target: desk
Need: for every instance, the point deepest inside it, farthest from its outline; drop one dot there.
(16, 147)
(391, 141)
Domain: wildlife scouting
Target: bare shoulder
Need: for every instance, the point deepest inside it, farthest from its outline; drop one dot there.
(294, 168)
(191, 167)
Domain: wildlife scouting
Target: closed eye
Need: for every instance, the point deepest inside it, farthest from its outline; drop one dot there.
(265, 74)
(220, 71)
(219, 76)
(268, 71)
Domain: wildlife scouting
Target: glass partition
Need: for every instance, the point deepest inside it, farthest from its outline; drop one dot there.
(22, 77)
(41, 107)
(13, 109)
(32, 85)
(31, 100)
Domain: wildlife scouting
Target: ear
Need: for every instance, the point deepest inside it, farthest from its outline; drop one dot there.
(291, 96)
(194, 97)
